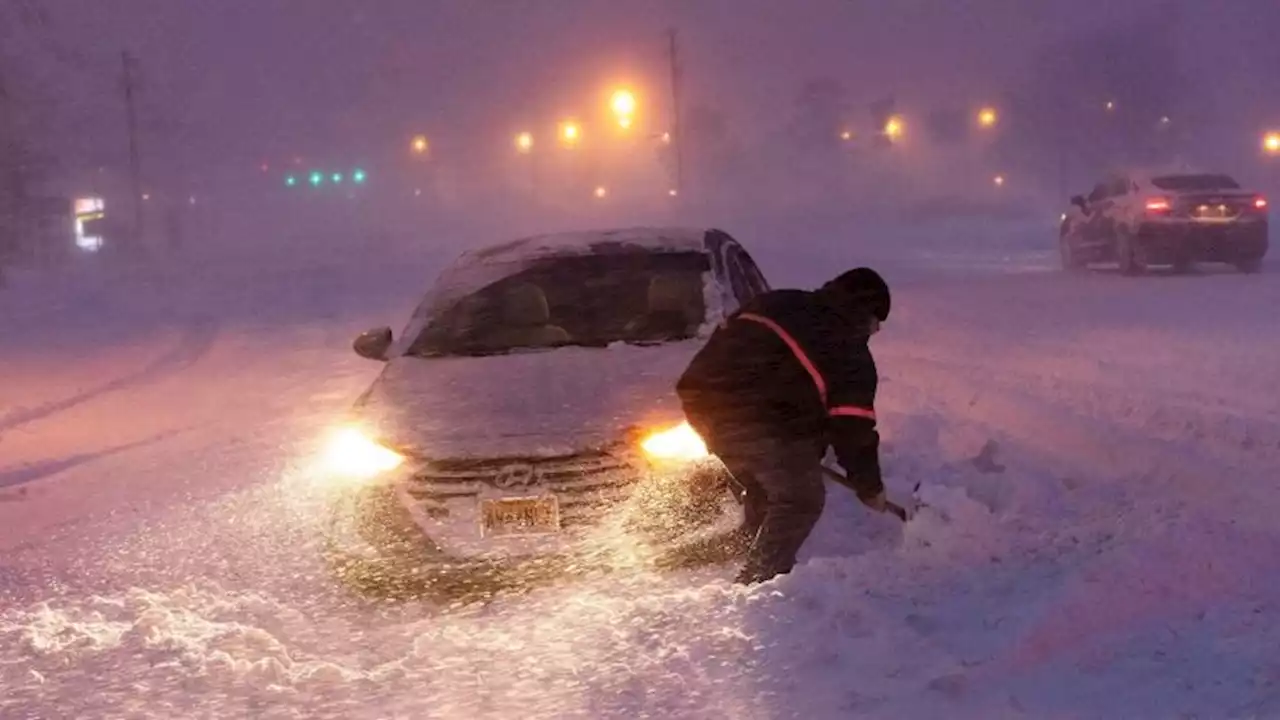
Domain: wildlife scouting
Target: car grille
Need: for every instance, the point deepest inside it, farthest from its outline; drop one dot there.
(585, 484)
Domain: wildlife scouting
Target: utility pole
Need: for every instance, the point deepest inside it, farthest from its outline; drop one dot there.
(135, 163)
(676, 131)
(9, 231)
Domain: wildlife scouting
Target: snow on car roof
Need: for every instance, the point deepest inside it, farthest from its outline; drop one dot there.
(653, 239)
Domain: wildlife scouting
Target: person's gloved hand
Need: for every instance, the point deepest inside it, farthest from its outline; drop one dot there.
(877, 502)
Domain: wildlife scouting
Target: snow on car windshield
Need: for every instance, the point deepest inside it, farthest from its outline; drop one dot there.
(592, 300)
(1195, 182)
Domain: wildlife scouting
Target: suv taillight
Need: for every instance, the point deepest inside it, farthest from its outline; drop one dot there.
(1260, 203)
(1158, 205)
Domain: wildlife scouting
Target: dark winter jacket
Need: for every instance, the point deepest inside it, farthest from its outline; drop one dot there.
(790, 364)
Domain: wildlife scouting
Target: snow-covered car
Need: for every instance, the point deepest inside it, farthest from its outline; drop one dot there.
(1143, 218)
(526, 420)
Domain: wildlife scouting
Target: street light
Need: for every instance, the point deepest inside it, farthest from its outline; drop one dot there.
(1271, 143)
(524, 142)
(570, 132)
(846, 135)
(988, 117)
(623, 103)
(420, 144)
(601, 192)
(998, 180)
(316, 178)
(894, 127)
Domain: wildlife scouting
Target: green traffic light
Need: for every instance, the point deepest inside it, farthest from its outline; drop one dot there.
(317, 178)
(358, 176)
(291, 181)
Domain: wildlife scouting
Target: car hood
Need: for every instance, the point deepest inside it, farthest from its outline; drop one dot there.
(524, 404)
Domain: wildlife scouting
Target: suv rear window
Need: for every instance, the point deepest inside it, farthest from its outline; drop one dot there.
(1195, 182)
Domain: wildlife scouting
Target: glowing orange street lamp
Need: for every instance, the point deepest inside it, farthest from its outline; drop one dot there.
(570, 133)
(524, 142)
(894, 128)
(1271, 143)
(419, 144)
(988, 117)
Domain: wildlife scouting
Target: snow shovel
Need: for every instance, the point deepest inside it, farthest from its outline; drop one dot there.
(889, 506)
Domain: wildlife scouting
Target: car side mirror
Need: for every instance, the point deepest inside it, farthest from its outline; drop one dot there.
(373, 344)
(1078, 200)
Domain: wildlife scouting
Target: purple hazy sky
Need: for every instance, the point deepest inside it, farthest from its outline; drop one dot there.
(238, 79)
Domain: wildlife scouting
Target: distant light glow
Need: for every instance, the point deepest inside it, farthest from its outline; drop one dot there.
(316, 178)
(1271, 142)
(86, 209)
(601, 191)
(894, 128)
(987, 117)
(291, 181)
(87, 205)
(998, 180)
(570, 132)
(358, 176)
(1111, 105)
(623, 103)
(673, 192)
(336, 177)
(847, 135)
(524, 142)
(419, 144)
(666, 137)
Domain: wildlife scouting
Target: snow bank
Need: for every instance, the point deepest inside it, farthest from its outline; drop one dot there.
(1096, 455)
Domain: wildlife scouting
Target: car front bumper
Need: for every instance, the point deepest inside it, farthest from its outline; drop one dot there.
(411, 535)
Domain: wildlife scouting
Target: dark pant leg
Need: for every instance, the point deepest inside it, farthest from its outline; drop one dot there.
(786, 499)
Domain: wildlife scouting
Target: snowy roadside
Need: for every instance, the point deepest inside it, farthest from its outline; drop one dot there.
(1113, 541)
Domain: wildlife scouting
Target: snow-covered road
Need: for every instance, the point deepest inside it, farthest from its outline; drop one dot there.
(1101, 455)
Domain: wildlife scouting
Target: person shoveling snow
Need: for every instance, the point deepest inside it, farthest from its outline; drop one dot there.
(785, 377)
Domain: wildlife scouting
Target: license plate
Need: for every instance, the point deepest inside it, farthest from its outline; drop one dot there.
(519, 516)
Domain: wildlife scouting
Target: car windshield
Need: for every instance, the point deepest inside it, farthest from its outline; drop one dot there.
(1195, 182)
(590, 300)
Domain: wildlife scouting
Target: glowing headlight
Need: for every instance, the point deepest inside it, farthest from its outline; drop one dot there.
(352, 454)
(678, 443)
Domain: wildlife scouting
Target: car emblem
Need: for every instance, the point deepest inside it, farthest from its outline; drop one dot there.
(518, 475)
